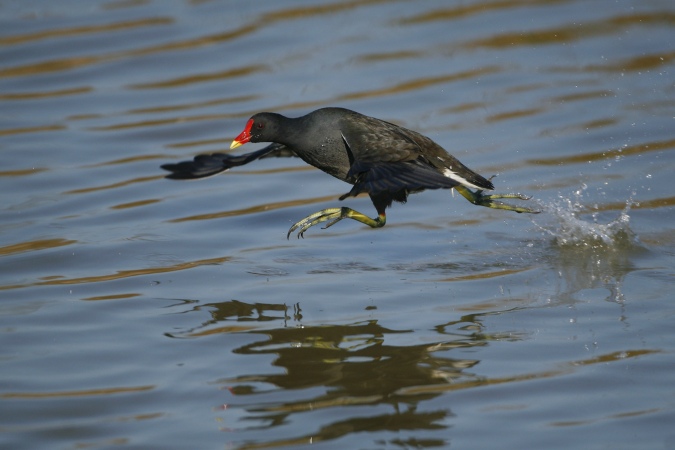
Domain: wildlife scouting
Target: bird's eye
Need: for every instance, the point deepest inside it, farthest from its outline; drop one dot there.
(260, 126)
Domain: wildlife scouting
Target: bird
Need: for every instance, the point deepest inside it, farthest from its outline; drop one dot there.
(386, 161)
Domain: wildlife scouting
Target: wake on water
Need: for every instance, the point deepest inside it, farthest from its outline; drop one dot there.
(587, 252)
(580, 228)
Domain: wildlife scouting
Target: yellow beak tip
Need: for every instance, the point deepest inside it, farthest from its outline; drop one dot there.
(235, 144)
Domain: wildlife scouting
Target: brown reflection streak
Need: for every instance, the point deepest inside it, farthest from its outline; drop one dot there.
(195, 105)
(215, 117)
(122, 274)
(615, 356)
(583, 96)
(599, 123)
(45, 94)
(316, 10)
(459, 385)
(128, 160)
(31, 246)
(136, 204)
(541, 37)
(656, 203)
(644, 62)
(462, 11)
(568, 368)
(573, 32)
(114, 185)
(84, 393)
(120, 4)
(464, 107)
(374, 57)
(486, 275)
(67, 32)
(11, 131)
(514, 114)
(526, 88)
(419, 83)
(137, 272)
(219, 330)
(56, 65)
(170, 121)
(254, 209)
(22, 173)
(608, 154)
(76, 62)
(576, 423)
(198, 143)
(112, 297)
(331, 403)
(193, 43)
(84, 116)
(232, 73)
(307, 168)
(666, 202)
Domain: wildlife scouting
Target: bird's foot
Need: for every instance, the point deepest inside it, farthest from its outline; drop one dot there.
(333, 216)
(490, 200)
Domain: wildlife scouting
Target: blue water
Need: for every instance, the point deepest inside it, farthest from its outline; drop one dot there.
(141, 312)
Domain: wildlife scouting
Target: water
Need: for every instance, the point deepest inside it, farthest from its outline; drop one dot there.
(590, 253)
(141, 312)
(575, 230)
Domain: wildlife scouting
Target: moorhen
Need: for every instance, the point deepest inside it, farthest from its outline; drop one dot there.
(382, 159)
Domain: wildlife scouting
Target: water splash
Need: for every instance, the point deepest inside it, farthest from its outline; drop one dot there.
(589, 253)
(579, 227)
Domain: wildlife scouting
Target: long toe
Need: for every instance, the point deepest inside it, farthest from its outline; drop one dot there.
(513, 196)
(334, 215)
(490, 202)
(507, 207)
(330, 214)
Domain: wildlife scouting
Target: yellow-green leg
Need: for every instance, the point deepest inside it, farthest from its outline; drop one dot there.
(478, 198)
(333, 216)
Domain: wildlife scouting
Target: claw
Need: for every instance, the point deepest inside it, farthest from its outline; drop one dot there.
(489, 201)
(333, 216)
(478, 198)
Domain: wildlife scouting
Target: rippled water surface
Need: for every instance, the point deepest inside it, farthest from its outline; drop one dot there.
(141, 312)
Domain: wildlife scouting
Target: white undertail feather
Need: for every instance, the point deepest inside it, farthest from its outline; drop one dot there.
(454, 176)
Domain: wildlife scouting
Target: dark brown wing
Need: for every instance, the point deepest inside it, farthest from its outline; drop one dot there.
(373, 140)
(390, 158)
(397, 179)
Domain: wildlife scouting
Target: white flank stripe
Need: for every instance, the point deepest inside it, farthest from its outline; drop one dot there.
(452, 175)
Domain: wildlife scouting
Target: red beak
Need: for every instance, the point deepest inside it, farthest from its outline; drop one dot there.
(244, 136)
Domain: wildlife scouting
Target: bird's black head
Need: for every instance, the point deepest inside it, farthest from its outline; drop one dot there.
(262, 127)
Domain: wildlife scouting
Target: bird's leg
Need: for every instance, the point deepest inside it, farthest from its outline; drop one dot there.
(333, 216)
(478, 198)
